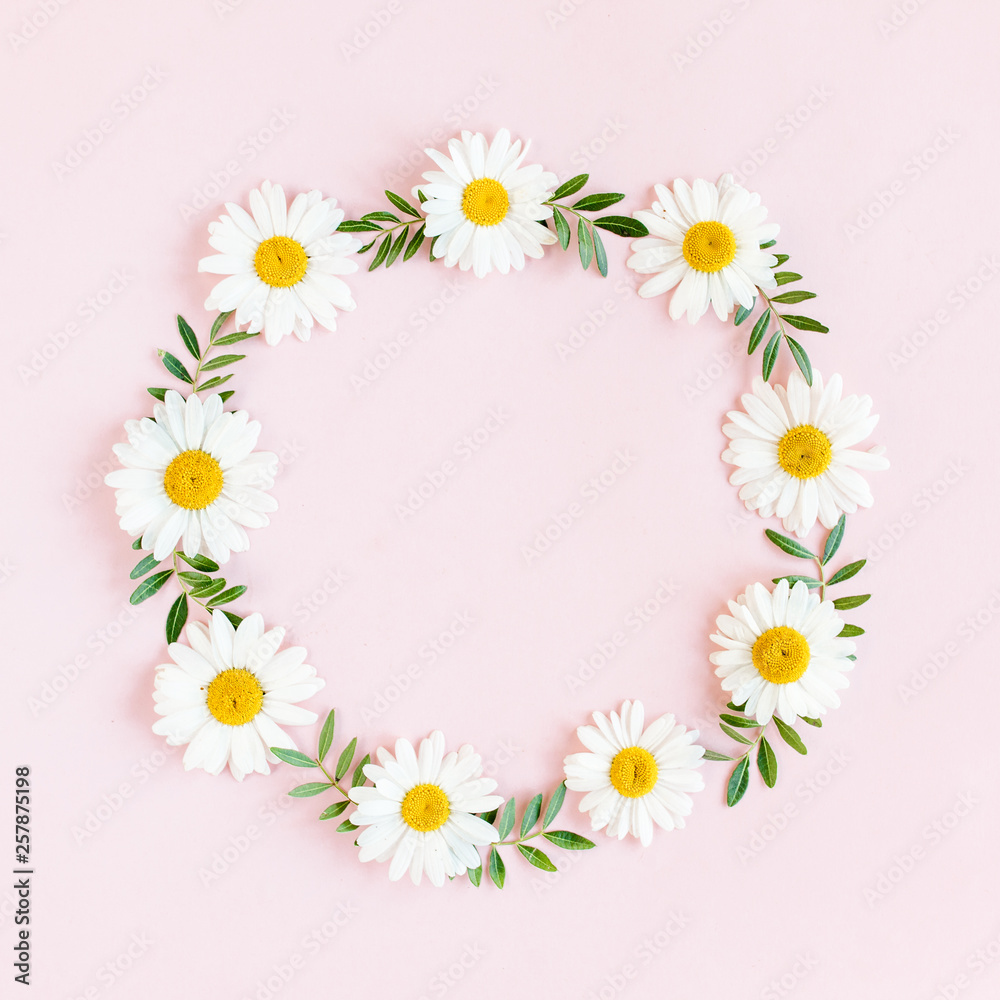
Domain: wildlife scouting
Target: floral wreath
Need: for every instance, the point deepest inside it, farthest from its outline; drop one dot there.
(192, 483)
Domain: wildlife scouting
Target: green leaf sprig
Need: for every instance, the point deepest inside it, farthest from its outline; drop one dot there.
(393, 233)
(781, 321)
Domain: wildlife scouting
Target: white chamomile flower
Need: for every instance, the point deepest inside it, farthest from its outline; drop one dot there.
(227, 694)
(706, 239)
(635, 777)
(283, 263)
(192, 477)
(485, 208)
(420, 814)
(781, 652)
(795, 455)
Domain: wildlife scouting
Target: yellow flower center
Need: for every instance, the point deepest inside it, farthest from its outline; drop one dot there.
(485, 201)
(235, 697)
(805, 452)
(193, 480)
(634, 772)
(709, 246)
(781, 655)
(280, 262)
(425, 808)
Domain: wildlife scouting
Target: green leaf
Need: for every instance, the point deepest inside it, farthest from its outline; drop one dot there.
(476, 876)
(397, 247)
(175, 367)
(430, 249)
(568, 840)
(215, 381)
(176, 617)
(414, 245)
(208, 589)
(712, 755)
(221, 361)
(144, 566)
(234, 620)
(326, 736)
(846, 572)
(402, 204)
(804, 323)
(818, 723)
(202, 563)
(562, 228)
(497, 869)
(225, 395)
(734, 707)
(383, 251)
(347, 827)
(738, 782)
(740, 722)
(358, 778)
(809, 581)
(834, 539)
(764, 246)
(368, 246)
(742, 313)
(421, 197)
(489, 817)
(220, 322)
(852, 657)
(733, 735)
(757, 334)
(790, 736)
(150, 586)
(555, 804)
(782, 257)
(789, 545)
(187, 335)
(537, 858)
(767, 763)
(137, 544)
(847, 603)
(309, 788)
(506, 819)
(346, 758)
(784, 277)
(380, 217)
(595, 202)
(234, 338)
(849, 631)
(159, 394)
(332, 812)
(600, 255)
(790, 298)
(801, 359)
(770, 355)
(585, 243)
(353, 226)
(194, 579)
(531, 814)
(622, 225)
(570, 187)
(227, 596)
(294, 757)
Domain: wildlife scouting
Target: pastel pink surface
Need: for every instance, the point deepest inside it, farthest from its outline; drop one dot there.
(869, 130)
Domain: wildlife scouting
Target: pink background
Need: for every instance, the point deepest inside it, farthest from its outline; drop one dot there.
(869, 870)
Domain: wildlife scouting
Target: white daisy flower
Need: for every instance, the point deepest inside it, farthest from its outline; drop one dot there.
(228, 693)
(283, 263)
(794, 452)
(635, 777)
(707, 238)
(781, 652)
(485, 208)
(420, 813)
(192, 477)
